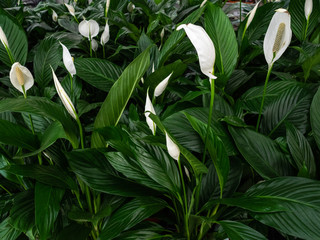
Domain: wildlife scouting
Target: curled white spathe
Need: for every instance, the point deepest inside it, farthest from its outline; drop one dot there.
(70, 9)
(105, 35)
(252, 13)
(3, 38)
(173, 149)
(278, 36)
(204, 47)
(89, 29)
(94, 45)
(308, 6)
(147, 110)
(66, 101)
(68, 61)
(21, 76)
(162, 86)
(54, 16)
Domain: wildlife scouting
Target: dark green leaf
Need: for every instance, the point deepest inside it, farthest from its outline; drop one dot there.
(315, 117)
(7, 231)
(74, 231)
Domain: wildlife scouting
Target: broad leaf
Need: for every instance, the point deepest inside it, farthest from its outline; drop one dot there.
(315, 117)
(74, 231)
(119, 95)
(7, 231)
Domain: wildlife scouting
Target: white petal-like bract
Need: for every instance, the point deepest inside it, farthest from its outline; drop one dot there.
(21, 76)
(252, 13)
(147, 110)
(173, 149)
(89, 28)
(203, 45)
(66, 101)
(70, 9)
(68, 61)
(278, 36)
(162, 86)
(308, 6)
(94, 45)
(54, 16)
(105, 35)
(3, 38)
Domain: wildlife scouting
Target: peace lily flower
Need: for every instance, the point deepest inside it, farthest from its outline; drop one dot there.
(89, 29)
(3, 38)
(308, 5)
(251, 14)
(147, 110)
(66, 101)
(162, 86)
(21, 78)
(130, 7)
(94, 45)
(204, 47)
(68, 60)
(173, 149)
(278, 36)
(70, 9)
(105, 35)
(54, 16)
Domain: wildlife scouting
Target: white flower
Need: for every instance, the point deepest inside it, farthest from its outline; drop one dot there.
(107, 7)
(278, 36)
(162, 34)
(173, 149)
(21, 76)
(162, 86)
(70, 9)
(66, 101)
(204, 47)
(54, 16)
(89, 29)
(89, 2)
(130, 7)
(147, 110)
(251, 14)
(94, 45)
(3, 38)
(105, 35)
(68, 61)
(308, 5)
(203, 3)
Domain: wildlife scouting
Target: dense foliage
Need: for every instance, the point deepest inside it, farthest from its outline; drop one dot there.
(246, 145)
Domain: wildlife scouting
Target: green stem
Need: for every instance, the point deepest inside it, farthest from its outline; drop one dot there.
(81, 132)
(40, 158)
(9, 54)
(103, 51)
(90, 46)
(306, 30)
(263, 96)
(30, 119)
(76, 19)
(5, 189)
(88, 197)
(71, 85)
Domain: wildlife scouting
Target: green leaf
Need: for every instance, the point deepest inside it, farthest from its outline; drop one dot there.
(49, 175)
(7, 231)
(311, 62)
(93, 169)
(17, 39)
(47, 206)
(298, 18)
(219, 28)
(49, 53)
(300, 196)
(215, 148)
(74, 231)
(99, 73)
(130, 215)
(300, 150)
(240, 231)
(119, 95)
(315, 117)
(43, 107)
(14, 134)
(262, 153)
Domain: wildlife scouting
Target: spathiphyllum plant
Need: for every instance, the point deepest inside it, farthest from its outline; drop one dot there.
(159, 119)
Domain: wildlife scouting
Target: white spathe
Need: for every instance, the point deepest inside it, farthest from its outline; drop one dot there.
(308, 6)
(147, 110)
(3, 38)
(94, 45)
(21, 76)
(70, 9)
(54, 16)
(68, 61)
(252, 13)
(89, 28)
(278, 35)
(173, 149)
(66, 101)
(162, 86)
(204, 47)
(105, 35)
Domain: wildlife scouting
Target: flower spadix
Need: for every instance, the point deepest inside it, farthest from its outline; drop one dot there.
(68, 61)
(147, 110)
(162, 86)
(308, 6)
(66, 101)
(105, 35)
(278, 36)
(89, 29)
(173, 149)
(21, 77)
(3, 38)
(204, 47)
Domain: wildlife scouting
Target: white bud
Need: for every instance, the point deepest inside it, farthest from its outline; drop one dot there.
(162, 86)
(173, 149)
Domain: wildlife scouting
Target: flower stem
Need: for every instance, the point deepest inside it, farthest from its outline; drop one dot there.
(104, 52)
(263, 96)
(306, 30)
(81, 132)
(10, 55)
(90, 47)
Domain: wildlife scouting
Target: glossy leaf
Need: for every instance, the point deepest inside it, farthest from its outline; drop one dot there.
(7, 231)
(315, 117)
